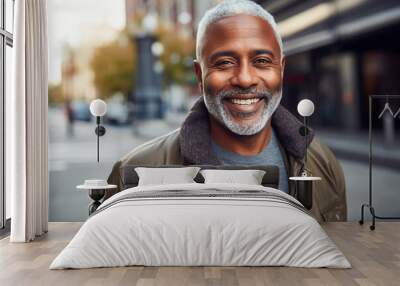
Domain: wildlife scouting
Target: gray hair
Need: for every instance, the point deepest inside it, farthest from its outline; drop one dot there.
(232, 8)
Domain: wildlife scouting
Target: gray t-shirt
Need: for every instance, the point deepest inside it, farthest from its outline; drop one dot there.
(271, 155)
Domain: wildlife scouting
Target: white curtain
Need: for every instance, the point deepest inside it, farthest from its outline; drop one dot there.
(27, 123)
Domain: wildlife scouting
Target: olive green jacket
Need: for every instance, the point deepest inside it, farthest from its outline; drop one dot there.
(191, 145)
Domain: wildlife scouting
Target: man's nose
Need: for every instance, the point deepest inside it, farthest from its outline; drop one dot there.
(244, 77)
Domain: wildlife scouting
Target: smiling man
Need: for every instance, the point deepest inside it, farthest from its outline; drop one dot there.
(239, 120)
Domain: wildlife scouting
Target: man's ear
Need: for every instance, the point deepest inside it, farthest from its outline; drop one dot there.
(283, 66)
(199, 76)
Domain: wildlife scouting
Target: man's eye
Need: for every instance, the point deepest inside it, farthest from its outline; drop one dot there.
(262, 61)
(223, 63)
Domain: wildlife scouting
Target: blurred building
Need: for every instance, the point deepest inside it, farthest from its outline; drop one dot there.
(337, 53)
(182, 14)
(76, 75)
(77, 78)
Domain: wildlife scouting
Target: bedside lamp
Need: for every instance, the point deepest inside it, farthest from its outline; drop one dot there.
(305, 108)
(98, 108)
(96, 187)
(304, 183)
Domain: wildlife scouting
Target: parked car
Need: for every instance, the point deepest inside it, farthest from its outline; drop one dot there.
(80, 111)
(117, 113)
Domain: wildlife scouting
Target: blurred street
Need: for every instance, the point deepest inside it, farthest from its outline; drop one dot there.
(72, 159)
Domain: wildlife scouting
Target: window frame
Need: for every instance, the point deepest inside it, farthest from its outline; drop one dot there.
(6, 39)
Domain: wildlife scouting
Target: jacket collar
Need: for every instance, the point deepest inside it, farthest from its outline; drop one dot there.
(195, 139)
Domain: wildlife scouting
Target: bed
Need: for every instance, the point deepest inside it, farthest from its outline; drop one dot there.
(201, 224)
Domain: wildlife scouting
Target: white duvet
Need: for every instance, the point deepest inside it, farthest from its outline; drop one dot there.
(206, 230)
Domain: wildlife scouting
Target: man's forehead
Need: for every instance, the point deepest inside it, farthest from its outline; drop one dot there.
(237, 29)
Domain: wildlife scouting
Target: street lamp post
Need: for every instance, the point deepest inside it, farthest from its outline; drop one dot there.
(146, 95)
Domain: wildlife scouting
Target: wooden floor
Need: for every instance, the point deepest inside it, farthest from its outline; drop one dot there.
(375, 257)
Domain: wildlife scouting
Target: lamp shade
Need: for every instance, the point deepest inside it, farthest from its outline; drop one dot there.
(98, 107)
(305, 107)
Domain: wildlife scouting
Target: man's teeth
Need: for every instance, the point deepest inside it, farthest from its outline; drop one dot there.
(244, 101)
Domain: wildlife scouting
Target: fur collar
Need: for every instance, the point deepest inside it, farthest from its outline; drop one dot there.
(195, 139)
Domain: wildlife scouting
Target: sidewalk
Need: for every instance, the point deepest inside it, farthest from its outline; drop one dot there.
(149, 129)
(355, 146)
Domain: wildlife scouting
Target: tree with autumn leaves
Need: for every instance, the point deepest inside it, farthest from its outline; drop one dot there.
(114, 63)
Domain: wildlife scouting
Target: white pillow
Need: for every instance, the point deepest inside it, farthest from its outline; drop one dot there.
(162, 176)
(249, 177)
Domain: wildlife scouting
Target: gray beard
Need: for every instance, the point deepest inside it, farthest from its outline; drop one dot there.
(216, 108)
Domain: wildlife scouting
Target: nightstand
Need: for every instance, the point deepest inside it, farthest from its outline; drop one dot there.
(304, 187)
(96, 190)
